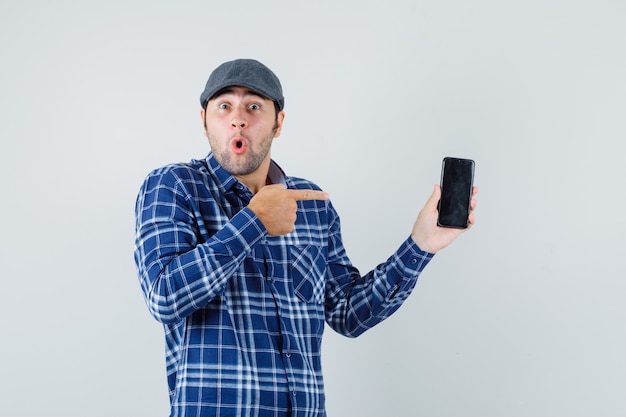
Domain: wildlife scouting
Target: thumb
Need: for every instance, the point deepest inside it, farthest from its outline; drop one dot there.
(275, 186)
(433, 201)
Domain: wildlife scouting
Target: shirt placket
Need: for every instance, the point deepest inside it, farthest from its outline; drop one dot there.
(277, 279)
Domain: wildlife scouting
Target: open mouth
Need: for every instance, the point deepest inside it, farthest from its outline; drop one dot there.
(239, 145)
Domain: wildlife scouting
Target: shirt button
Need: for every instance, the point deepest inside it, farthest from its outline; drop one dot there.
(288, 354)
(413, 261)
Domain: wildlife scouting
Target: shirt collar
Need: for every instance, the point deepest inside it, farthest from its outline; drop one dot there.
(276, 174)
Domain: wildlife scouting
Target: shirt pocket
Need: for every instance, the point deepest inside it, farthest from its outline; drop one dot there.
(308, 273)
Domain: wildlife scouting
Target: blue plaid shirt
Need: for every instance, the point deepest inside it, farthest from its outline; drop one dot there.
(243, 311)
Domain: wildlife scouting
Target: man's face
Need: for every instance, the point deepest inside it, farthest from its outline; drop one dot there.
(240, 126)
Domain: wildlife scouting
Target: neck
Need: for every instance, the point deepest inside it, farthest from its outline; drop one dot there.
(257, 179)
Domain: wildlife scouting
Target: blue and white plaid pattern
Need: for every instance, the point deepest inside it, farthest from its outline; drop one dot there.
(243, 311)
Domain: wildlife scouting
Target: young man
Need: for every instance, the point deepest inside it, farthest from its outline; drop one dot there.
(243, 264)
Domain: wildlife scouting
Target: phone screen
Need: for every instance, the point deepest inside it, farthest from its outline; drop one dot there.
(457, 177)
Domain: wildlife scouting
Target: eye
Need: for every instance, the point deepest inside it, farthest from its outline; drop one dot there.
(254, 106)
(222, 106)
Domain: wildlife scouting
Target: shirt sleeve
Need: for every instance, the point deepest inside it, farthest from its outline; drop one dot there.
(355, 302)
(178, 272)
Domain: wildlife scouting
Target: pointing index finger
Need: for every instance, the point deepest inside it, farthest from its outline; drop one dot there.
(299, 195)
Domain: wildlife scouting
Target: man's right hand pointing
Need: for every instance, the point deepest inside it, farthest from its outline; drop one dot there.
(276, 206)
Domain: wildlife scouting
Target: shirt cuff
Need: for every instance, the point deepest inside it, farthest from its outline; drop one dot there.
(242, 232)
(412, 257)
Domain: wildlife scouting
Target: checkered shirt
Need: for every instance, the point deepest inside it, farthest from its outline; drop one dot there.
(243, 311)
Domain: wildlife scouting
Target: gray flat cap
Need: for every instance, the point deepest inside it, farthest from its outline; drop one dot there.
(245, 73)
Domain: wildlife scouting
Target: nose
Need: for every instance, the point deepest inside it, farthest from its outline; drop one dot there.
(238, 119)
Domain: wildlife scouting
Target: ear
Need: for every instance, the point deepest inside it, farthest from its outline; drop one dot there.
(279, 123)
(202, 117)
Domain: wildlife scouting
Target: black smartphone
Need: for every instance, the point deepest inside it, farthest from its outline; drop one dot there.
(457, 180)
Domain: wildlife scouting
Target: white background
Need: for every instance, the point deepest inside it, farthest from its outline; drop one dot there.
(523, 316)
